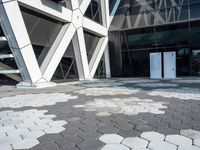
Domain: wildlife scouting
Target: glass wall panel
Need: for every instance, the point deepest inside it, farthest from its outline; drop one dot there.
(42, 32)
(195, 10)
(173, 35)
(94, 11)
(141, 38)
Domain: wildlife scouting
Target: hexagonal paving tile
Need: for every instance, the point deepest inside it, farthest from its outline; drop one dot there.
(34, 100)
(152, 136)
(197, 142)
(111, 138)
(115, 147)
(135, 142)
(25, 144)
(191, 147)
(25, 127)
(128, 106)
(190, 133)
(162, 145)
(178, 140)
(5, 147)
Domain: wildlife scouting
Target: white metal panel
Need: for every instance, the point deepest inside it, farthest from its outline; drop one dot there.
(155, 66)
(169, 65)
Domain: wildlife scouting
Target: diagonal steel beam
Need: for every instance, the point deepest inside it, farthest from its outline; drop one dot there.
(19, 42)
(57, 51)
(48, 8)
(94, 27)
(102, 44)
(81, 55)
(84, 5)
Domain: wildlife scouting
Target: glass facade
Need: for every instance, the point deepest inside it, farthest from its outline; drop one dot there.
(155, 26)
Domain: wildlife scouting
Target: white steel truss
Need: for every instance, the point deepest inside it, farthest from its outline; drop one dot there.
(74, 22)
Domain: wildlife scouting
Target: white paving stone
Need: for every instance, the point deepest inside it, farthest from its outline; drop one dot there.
(128, 106)
(191, 147)
(25, 127)
(178, 140)
(135, 142)
(190, 133)
(107, 91)
(6, 147)
(111, 138)
(161, 145)
(53, 129)
(33, 134)
(25, 144)
(58, 123)
(115, 147)
(34, 100)
(180, 93)
(197, 142)
(152, 136)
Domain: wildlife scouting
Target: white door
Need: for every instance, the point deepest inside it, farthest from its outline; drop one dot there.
(155, 66)
(169, 65)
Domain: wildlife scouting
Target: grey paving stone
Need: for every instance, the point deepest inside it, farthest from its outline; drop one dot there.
(108, 130)
(124, 126)
(167, 131)
(92, 144)
(144, 128)
(179, 126)
(158, 124)
(46, 146)
(90, 135)
(115, 147)
(68, 143)
(50, 138)
(129, 133)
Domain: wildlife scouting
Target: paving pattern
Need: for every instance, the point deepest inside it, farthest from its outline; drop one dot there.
(187, 140)
(127, 106)
(180, 93)
(107, 91)
(115, 114)
(34, 100)
(156, 85)
(20, 129)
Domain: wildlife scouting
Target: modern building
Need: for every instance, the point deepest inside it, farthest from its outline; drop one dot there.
(55, 40)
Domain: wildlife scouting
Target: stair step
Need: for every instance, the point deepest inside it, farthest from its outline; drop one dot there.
(9, 71)
(3, 56)
(3, 38)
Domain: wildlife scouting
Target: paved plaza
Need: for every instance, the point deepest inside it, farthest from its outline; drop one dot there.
(115, 114)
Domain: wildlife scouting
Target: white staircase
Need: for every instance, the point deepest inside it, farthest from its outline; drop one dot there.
(5, 69)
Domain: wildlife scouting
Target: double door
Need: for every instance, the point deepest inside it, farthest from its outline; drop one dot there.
(163, 66)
